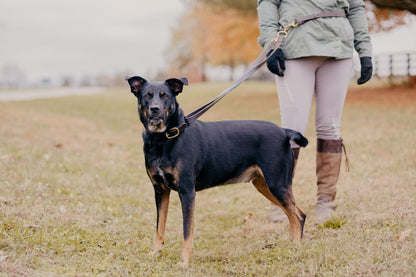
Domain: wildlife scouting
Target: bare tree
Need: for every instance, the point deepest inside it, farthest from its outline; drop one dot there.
(12, 75)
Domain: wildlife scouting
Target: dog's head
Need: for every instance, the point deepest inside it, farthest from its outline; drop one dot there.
(156, 101)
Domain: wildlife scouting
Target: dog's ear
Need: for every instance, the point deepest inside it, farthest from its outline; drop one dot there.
(176, 84)
(136, 83)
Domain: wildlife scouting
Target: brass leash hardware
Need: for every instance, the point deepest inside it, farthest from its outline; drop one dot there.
(283, 33)
(173, 133)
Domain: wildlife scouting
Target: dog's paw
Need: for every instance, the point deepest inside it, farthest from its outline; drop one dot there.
(182, 264)
(154, 252)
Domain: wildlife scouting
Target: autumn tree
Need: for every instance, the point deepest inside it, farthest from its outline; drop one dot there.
(408, 5)
(188, 50)
(249, 5)
(232, 38)
(382, 15)
(383, 19)
(246, 6)
(208, 35)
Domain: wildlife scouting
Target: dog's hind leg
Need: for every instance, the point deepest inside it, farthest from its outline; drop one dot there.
(162, 205)
(287, 202)
(296, 216)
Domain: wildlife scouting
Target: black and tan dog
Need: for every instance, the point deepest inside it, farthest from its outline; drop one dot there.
(206, 154)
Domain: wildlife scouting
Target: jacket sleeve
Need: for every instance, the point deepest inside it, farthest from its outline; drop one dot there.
(267, 11)
(357, 18)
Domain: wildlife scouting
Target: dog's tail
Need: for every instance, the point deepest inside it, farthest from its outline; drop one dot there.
(296, 137)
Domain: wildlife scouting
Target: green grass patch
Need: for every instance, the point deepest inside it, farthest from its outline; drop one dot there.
(335, 222)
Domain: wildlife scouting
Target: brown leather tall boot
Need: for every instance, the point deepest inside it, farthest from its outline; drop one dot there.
(328, 164)
(276, 213)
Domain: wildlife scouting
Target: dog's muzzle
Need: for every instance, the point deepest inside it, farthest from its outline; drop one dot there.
(156, 118)
(155, 121)
(156, 124)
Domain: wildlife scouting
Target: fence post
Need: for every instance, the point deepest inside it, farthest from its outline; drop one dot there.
(391, 64)
(408, 64)
(391, 69)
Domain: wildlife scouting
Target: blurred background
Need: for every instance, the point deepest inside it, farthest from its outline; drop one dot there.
(73, 43)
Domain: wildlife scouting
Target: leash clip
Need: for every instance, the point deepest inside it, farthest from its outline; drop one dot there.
(174, 129)
(285, 29)
(293, 24)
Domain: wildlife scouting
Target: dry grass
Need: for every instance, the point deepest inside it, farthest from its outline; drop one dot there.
(75, 199)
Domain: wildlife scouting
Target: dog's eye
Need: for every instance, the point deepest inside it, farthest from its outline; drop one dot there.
(148, 96)
(163, 95)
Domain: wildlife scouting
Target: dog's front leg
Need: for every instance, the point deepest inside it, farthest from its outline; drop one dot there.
(187, 197)
(162, 205)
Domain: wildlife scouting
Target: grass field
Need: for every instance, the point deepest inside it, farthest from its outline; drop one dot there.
(75, 199)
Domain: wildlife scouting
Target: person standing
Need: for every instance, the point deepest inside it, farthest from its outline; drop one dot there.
(315, 59)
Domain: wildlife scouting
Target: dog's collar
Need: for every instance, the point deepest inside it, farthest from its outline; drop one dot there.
(175, 131)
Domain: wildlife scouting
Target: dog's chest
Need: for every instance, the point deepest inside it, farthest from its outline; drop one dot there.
(163, 174)
(162, 165)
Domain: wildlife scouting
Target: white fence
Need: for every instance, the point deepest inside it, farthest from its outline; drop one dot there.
(395, 64)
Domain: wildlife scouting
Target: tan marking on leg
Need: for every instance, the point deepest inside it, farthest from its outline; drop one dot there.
(260, 184)
(160, 233)
(293, 213)
(150, 173)
(295, 219)
(187, 249)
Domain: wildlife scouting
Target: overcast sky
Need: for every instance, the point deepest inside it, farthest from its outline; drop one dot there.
(52, 38)
(57, 37)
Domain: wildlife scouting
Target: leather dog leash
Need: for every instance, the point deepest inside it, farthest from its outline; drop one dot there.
(259, 62)
(304, 19)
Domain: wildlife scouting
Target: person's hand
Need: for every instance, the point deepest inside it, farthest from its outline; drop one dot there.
(276, 63)
(366, 70)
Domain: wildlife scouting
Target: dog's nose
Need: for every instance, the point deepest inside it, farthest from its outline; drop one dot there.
(154, 109)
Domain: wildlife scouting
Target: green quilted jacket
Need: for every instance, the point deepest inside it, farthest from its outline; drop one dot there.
(330, 37)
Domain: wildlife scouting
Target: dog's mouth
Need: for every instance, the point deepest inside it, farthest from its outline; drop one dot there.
(155, 121)
(156, 124)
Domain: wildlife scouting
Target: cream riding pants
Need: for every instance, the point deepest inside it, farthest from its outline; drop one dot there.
(325, 78)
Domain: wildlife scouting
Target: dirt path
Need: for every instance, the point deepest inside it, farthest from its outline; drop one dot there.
(395, 96)
(30, 94)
